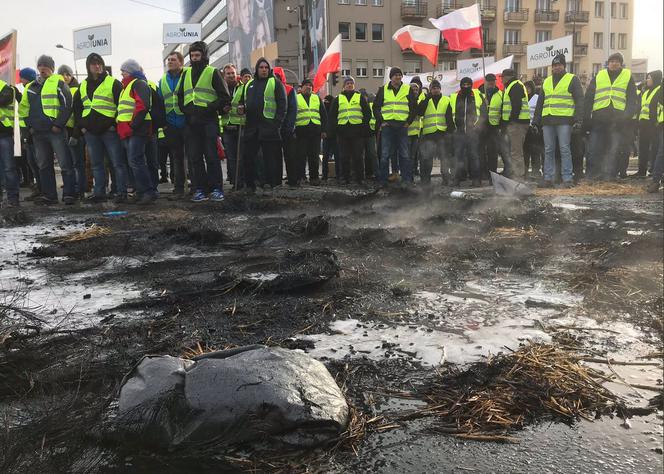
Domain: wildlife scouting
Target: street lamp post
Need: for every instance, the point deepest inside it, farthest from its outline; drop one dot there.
(59, 46)
(297, 10)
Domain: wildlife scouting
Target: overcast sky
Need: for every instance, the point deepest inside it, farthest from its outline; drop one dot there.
(137, 29)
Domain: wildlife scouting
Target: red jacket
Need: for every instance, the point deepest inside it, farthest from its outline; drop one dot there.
(138, 126)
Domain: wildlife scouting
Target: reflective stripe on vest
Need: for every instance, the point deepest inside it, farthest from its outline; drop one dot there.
(269, 100)
(102, 99)
(646, 98)
(614, 94)
(478, 104)
(127, 105)
(434, 116)
(524, 114)
(416, 125)
(307, 113)
(49, 96)
(170, 97)
(660, 113)
(233, 117)
(350, 111)
(558, 101)
(495, 105)
(202, 94)
(160, 134)
(395, 107)
(7, 112)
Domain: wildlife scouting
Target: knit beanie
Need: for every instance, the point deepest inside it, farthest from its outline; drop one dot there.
(64, 69)
(245, 71)
(394, 71)
(559, 59)
(130, 66)
(434, 83)
(466, 80)
(28, 74)
(46, 61)
(416, 80)
(616, 57)
(349, 79)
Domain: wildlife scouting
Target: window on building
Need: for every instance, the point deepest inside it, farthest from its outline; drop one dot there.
(623, 10)
(447, 66)
(485, 35)
(517, 68)
(622, 40)
(543, 5)
(613, 9)
(377, 32)
(343, 2)
(361, 67)
(412, 67)
(344, 30)
(212, 36)
(576, 36)
(360, 31)
(542, 35)
(597, 67)
(212, 13)
(598, 40)
(376, 3)
(573, 5)
(512, 5)
(346, 66)
(378, 69)
(599, 9)
(612, 41)
(542, 71)
(361, 2)
(512, 36)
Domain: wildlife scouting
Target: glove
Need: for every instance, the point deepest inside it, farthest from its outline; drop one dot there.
(577, 127)
(73, 141)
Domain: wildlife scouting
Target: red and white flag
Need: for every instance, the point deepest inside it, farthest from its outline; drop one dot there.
(329, 63)
(423, 41)
(496, 68)
(462, 29)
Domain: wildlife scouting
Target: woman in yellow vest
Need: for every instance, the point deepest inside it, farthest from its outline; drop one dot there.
(658, 167)
(648, 139)
(45, 107)
(609, 104)
(349, 123)
(76, 145)
(437, 125)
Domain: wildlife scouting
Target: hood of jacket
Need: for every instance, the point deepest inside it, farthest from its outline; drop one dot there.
(263, 60)
(656, 78)
(280, 74)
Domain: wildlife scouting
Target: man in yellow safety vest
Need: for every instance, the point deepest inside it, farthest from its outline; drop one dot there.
(559, 111)
(609, 104)
(232, 121)
(658, 167)
(45, 107)
(514, 124)
(7, 162)
(647, 123)
(76, 145)
(310, 126)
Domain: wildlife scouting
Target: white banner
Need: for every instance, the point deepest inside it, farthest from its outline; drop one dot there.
(468, 67)
(95, 39)
(176, 33)
(541, 54)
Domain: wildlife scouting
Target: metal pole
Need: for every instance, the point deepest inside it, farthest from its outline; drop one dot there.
(299, 44)
(607, 29)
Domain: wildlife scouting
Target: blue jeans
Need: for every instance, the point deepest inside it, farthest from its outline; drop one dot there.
(152, 159)
(658, 167)
(135, 146)
(394, 142)
(99, 146)
(8, 167)
(602, 158)
(78, 156)
(563, 135)
(48, 144)
(467, 155)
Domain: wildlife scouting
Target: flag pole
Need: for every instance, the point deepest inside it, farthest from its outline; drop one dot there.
(479, 12)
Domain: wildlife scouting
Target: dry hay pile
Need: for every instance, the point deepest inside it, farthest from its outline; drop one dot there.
(513, 233)
(511, 390)
(596, 189)
(89, 233)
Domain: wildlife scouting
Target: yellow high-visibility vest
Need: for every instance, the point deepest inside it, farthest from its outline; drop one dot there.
(434, 116)
(646, 98)
(233, 117)
(307, 113)
(416, 125)
(102, 101)
(495, 106)
(269, 99)
(171, 96)
(127, 105)
(350, 111)
(202, 94)
(7, 112)
(478, 104)
(524, 114)
(558, 101)
(395, 106)
(607, 93)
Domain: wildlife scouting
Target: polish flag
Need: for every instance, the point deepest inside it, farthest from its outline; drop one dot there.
(329, 63)
(423, 41)
(496, 68)
(462, 29)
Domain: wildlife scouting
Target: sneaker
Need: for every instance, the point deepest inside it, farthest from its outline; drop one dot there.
(199, 196)
(120, 198)
(163, 180)
(95, 199)
(69, 200)
(217, 195)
